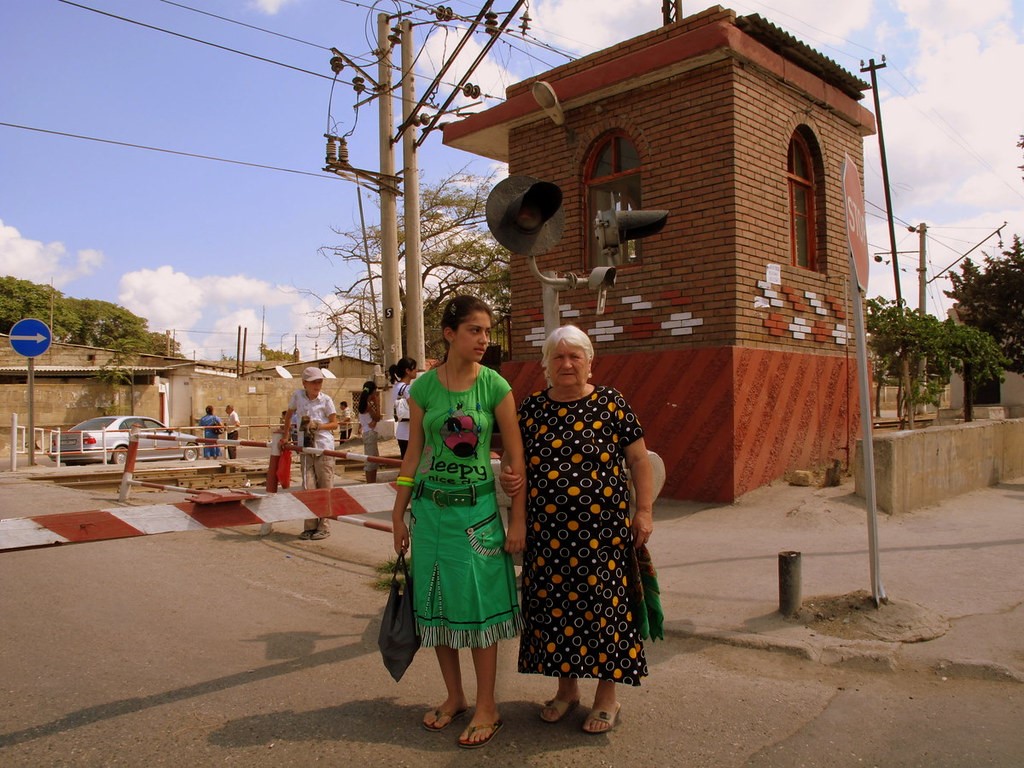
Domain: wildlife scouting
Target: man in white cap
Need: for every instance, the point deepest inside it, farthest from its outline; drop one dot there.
(317, 418)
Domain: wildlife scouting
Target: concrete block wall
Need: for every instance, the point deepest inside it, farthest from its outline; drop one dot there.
(917, 468)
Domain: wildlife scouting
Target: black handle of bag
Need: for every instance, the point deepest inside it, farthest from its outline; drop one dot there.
(400, 564)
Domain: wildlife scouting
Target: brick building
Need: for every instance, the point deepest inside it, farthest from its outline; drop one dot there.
(727, 331)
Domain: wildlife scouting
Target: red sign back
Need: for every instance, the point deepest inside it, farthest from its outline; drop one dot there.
(856, 227)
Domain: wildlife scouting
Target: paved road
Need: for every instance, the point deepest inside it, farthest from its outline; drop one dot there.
(224, 648)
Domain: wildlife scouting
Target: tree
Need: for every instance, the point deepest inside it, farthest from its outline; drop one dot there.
(458, 256)
(273, 356)
(991, 298)
(921, 353)
(901, 341)
(88, 322)
(973, 354)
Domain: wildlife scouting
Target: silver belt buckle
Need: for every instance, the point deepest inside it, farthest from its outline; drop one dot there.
(439, 497)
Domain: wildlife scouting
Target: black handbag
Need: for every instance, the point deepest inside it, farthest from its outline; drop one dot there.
(398, 640)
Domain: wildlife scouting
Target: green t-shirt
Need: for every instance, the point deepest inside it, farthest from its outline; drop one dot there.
(457, 428)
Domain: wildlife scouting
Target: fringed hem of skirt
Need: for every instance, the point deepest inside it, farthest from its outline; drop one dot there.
(432, 637)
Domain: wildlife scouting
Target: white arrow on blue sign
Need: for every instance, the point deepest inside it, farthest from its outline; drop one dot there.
(30, 337)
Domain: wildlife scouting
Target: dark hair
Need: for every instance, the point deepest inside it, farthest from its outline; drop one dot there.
(209, 409)
(458, 309)
(398, 371)
(364, 397)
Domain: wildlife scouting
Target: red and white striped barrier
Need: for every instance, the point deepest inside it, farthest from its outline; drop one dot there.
(203, 510)
(220, 509)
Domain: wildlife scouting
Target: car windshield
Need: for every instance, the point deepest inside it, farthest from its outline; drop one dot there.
(101, 422)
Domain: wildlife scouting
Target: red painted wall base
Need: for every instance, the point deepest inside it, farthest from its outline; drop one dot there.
(727, 420)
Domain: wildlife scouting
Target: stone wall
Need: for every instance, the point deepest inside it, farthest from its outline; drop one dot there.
(917, 468)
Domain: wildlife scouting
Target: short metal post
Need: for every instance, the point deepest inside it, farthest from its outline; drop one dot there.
(789, 583)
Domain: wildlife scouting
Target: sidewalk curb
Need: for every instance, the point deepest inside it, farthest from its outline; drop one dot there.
(877, 655)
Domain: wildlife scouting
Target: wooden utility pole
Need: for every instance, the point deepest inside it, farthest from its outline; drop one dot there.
(414, 335)
(391, 321)
(871, 68)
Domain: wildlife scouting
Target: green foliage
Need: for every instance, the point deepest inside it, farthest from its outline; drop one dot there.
(88, 322)
(273, 356)
(901, 341)
(990, 297)
(907, 343)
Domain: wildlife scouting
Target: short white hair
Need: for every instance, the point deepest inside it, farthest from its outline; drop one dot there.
(572, 337)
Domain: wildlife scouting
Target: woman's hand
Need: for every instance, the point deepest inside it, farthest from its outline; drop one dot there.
(511, 483)
(515, 538)
(401, 533)
(643, 527)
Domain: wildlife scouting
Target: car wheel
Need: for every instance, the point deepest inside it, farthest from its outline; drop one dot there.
(191, 452)
(119, 456)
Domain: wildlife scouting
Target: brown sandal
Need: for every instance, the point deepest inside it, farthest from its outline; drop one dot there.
(561, 709)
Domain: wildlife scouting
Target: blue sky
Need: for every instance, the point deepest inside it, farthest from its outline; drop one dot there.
(202, 247)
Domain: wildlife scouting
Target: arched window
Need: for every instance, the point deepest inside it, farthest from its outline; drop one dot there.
(612, 182)
(802, 235)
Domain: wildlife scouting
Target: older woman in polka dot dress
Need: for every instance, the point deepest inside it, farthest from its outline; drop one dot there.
(580, 439)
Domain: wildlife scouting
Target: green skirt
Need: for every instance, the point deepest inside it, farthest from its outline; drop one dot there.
(464, 583)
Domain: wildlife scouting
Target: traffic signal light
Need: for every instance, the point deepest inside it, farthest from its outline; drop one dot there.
(525, 214)
(614, 227)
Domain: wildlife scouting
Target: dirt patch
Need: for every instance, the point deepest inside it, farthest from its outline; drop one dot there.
(854, 616)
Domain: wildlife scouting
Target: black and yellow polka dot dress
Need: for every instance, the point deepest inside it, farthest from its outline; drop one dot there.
(576, 597)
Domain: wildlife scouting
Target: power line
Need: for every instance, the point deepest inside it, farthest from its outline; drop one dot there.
(167, 151)
(197, 40)
(244, 24)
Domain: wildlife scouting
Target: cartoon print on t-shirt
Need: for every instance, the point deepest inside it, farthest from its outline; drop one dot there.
(460, 433)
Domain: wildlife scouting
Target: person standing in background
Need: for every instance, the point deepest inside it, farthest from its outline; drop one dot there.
(317, 418)
(401, 374)
(369, 415)
(345, 418)
(232, 423)
(211, 429)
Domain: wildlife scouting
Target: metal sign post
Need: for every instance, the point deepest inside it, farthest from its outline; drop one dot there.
(30, 338)
(856, 235)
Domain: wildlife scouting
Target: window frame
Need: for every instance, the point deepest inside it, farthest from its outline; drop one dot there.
(803, 225)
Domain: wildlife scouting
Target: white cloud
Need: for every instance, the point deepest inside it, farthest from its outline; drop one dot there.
(270, 7)
(42, 262)
(205, 312)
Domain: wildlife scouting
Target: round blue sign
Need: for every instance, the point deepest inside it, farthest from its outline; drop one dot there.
(30, 337)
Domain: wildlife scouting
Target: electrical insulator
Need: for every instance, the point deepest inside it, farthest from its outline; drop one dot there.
(491, 22)
(343, 151)
(337, 64)
(444, 13)
(396, 36)
(525, 22)
(471, 91)
(331, 156)
(358, 84)
(424, 118)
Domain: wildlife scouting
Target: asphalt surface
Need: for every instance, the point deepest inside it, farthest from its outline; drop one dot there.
(951, 573)
(232, 647)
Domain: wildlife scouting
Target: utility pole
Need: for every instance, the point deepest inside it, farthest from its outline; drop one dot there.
(414, 335)
(922, 279)
(922, 299)
(872, 67)
(391, 329)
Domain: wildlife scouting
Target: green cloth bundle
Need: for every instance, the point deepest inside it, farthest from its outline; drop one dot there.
(650, 616)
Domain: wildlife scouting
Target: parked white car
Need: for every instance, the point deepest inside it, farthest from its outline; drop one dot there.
(105, 439)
